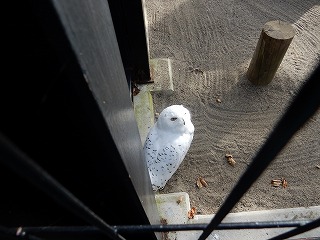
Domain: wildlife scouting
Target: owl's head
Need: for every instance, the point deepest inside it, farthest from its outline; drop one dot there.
(176, 118)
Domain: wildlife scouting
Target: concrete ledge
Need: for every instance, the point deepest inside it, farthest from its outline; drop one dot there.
(175, 213)
(173, 209)
(161, 75)
(144, 113)
(304, 213)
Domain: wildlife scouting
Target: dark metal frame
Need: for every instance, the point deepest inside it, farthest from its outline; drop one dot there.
(88, 65)
(128, 20)
(66, 106)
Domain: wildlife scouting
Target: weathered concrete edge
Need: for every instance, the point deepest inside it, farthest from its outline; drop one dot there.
(161, 74)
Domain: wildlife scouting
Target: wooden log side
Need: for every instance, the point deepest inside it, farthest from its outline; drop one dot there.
(273, 43)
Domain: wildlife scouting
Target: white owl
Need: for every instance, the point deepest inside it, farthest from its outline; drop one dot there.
(167, 144)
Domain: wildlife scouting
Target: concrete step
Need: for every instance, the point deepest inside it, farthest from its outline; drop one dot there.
(174, 209)
(161, 75)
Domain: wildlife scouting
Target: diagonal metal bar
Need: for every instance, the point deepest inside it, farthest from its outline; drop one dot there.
(298, 230)
(15, 159)
(301, 109)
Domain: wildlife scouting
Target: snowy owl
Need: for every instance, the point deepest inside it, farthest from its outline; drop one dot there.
(167, 144)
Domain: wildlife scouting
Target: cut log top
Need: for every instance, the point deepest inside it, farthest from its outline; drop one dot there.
(279, 30)
(273, 43)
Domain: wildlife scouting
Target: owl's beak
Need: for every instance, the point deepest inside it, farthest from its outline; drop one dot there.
(184, 123)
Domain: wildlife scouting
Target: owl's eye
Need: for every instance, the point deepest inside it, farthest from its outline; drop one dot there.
(173, 118)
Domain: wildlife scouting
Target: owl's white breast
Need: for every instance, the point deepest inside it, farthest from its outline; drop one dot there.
(167, 144)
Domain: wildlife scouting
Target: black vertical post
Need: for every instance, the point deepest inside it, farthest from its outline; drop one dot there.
(128, 20)
(66, 104)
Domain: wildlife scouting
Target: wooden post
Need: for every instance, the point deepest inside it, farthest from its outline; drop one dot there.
(273, 43)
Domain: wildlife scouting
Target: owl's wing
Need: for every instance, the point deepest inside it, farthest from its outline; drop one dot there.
(164, 155)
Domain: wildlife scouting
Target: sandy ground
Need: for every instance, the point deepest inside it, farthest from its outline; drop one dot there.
(219, 37)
